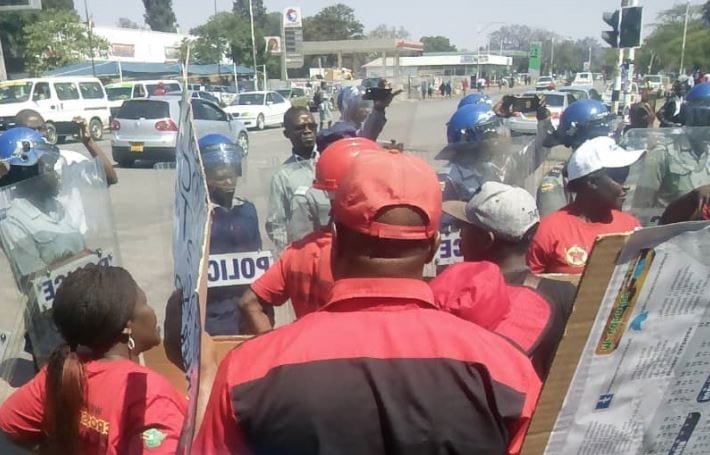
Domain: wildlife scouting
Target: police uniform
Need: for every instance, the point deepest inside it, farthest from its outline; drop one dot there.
(551, 194)
(295, 175)
(671, 170)
(311, 211)
(34, 239)
(234, 230)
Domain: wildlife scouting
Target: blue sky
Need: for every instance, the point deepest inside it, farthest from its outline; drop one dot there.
(457, 19)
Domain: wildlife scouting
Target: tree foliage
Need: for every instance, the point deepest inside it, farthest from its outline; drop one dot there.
(336, 22)
(124, 22)
(383, 31)
(661, 50)
(706, 13)
(159, 15)
(241, 8)
(58, 38)
(67, 5)
(437, 44)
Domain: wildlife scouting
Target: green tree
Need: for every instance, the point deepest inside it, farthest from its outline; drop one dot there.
(661, 50)
(337, 22)
(58, 38)
(271, 25)
(383, 31)
(13, 39)
(67, 5)
(241, 7)
(159, 15)
(124, 22)
(437, 44)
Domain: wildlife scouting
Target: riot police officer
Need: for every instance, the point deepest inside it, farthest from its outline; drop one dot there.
(680, 161)
(581, 121)
(235, 228)
(474, 98)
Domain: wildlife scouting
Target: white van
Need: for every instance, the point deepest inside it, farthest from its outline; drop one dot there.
(583, 79)
(58, 100)
(122, 91)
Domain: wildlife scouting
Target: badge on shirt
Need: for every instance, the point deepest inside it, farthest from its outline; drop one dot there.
(153, 438)
(576, 256)
(237, 268)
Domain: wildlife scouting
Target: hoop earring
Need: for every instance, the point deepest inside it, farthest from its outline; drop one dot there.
(131, 343)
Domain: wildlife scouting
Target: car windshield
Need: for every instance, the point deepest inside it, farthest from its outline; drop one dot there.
(284, 93)
(148, 109)
(169, 87)
(251, 99)
(118, 93)
(544, 79)
(555, 100)
(15, 92)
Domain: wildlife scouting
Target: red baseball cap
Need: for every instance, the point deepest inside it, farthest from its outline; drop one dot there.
(391, 178)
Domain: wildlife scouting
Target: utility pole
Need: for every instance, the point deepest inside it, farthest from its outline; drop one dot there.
(91, 38)
(3, 71)
(685, 33)
(552, 56)
(253, 45)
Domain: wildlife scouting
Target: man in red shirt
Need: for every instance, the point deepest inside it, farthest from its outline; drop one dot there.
(302, 272)
(497, 225)
(380, 369)
(597, 171)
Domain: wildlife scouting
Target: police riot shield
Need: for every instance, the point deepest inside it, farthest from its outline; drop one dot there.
(50, 225)
(676, 161)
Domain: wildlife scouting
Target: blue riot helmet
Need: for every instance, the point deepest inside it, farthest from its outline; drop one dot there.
(219, 151)
(353, 108)
(584, 120)
(20, 146)
(472, 123)
(25, 152)
(474, 98)
(696, 109)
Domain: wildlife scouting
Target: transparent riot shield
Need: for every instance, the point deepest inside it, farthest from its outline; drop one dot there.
(50, 225)
(676, 162)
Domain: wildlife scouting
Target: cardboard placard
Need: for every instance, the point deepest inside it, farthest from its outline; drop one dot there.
(237, 268)
(636, 331)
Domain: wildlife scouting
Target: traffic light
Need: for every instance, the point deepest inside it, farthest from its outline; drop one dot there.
(612, 36)
(630, 28)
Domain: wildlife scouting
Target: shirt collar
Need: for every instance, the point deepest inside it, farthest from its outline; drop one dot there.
(296, 158)
(359, 293)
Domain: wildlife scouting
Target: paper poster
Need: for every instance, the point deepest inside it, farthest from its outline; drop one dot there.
(237, 268)
(190, 233)
(642, 384)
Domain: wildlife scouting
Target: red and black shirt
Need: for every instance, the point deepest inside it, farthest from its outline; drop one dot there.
(378, 370)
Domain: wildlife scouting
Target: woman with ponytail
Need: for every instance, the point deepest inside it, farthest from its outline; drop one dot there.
(93, 397)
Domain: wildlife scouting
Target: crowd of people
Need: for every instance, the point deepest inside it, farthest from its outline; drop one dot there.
(380, 359)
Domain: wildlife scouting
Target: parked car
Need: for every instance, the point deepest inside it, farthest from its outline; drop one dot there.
(58, 100)
(225, 94)
(556, 102)
(584, 78)
(259, 109)
(296, 95)
(204, 96)
(545, 83)
(146, 129)
(582, 93)
(122, 91)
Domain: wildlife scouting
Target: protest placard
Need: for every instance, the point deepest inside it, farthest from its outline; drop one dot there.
(632, 373)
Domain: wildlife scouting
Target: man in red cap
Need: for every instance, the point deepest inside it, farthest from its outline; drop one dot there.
(302, 273)
(380, 369)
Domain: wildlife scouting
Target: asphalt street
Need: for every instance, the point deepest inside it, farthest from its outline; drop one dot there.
(142, 200)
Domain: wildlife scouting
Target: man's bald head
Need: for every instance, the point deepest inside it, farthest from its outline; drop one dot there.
(30, 119)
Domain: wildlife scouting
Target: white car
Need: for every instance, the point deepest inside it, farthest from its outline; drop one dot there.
(119, 92)
(583, 79)
(556, 103)
(58, 100)
(545, 83)
(259, 109)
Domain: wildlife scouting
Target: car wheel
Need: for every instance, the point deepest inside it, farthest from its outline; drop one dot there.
(96, 129)
(260, 123)
(243, 142)
(51, 134)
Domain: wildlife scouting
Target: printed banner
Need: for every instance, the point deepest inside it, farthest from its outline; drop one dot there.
(237, 268)
(450, 249)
